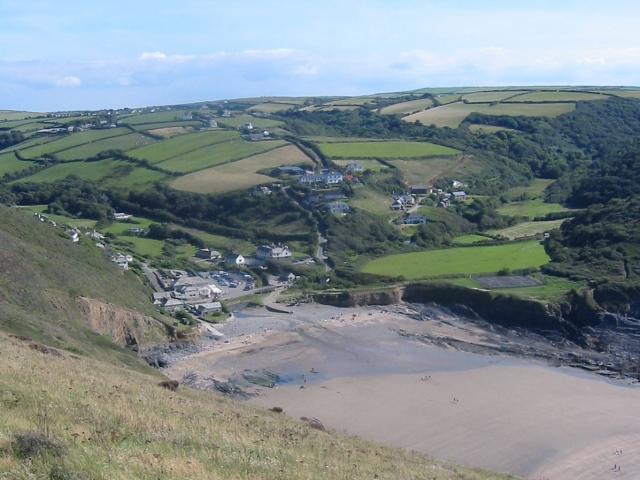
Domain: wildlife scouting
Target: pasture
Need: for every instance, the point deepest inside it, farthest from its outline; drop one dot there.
(407, 107)
(372, 201)
(167, 149)
(490, 97)
(530, 208)
(460, 260)
(527, 229)
(133, 177)
(560, 96)
(241, 174)
(84, 170)
(367, 163)
(470, 239)
(60, 219)
(153, 117)
(385, 150)
(88, 150)
(65, 142)
(16, 115)
(9, 163)
(453, 114)
(144, 127)
(271, 107)
(534, 190)
(239, 120)
(170, 132)
(217, 154)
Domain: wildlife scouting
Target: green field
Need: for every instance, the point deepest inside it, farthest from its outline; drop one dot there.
(385, 150)
(60, 219)
(551, 290)
(535, 189)
(15, 115)
(152, 126)
(173, 147)
(155, 117)
(120, 228)
(73, 140)
(271, 107)
(530, 208)
(372, 201)
(144, 247)
(407, 107)
(367, 163)
(451, 115)
(241, 174)
(9, 163)
(470, 239)
(527, 229)
(88, 150)
(30, 142)
(217, 154)
(557, 97)
(240, 120)
(460, 260)
(489, 97)
(428, 170)
(132, 177)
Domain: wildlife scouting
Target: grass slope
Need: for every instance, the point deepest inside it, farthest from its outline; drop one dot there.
(385, 150)
(181, 145)
(461, 260)
(73, 140)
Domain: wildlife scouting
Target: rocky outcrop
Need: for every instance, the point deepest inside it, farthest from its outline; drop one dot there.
(125, 327)
(345, 299)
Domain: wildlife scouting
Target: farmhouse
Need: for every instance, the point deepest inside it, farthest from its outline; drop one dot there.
(327, 177)
(420, 190)
(402, 202)
(206, 254)
(235, 259)
(338, 208)
(414, 220)
(273, 251)
(459, 196)
(355, 167)
(122, 260)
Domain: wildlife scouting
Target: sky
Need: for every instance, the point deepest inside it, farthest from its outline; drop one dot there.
(69, 54)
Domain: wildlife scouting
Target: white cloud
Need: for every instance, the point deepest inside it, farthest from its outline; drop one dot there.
(163, 57)
(70, 81)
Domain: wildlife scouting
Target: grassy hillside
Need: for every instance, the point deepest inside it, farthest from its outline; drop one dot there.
(43, 278)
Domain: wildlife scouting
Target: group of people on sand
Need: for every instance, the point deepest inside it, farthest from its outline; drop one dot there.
(616, 467)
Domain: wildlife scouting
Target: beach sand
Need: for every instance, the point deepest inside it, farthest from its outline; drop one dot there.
(366, 372)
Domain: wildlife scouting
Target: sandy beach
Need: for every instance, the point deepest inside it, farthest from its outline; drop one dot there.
(368, 371)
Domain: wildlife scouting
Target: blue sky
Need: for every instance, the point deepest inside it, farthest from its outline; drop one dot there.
(73, 54)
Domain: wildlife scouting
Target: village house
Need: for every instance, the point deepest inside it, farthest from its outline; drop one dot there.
(256, 137)
(456, 184)
(73, 234)
(273, 251)
(235, 259)
(402, 202)
(121, 216)
(445, 201)
(136, 231)
(196, 293)
(290, 170)
(122, 260)
(355, 167)
(93, 235)
(414, 220)
(459, 196)
(210, 255)
(338, 208)
(261, 191)
(420, 190)
(208, 308)
(326, 177)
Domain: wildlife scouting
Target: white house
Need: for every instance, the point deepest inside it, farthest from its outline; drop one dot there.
(73, 235)
(459, 196)
(456, 184)
(121, 216)
(209, 307)
(122, 260)
(235, 259)
(273, 251)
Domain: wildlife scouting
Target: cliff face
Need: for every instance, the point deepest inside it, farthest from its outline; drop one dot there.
(126, 327)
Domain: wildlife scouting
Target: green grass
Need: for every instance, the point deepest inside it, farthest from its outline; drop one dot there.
(88, 150)
(385, 150)
(479, 128)
(84, 170)
(530, 208)
(30, 142)
(460, 260)
(181, 145)
(155, 117)
(10, 164)
(527, 229)
(120, 228)
(135, 178)
(143, 247)
(551, 290)
(535, 189)
(489, 97)
(407, 107)
(557, 97)
(270, 107)
(219, 242)
(72, 140)
(470, 239)
(367, 163)
(372, 201)
(16, 115)
(217, 154)
(240, 120)
(59, 219)
(152, 126)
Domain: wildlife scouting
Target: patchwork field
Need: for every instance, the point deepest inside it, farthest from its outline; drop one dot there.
(271, 107)
(241, 174)
(217, 154)
(530, 208)
(418, 171)
(460, 260)
(407, 107)
(372, 201)
(534, 190)
(155, 117)
(145, 127)
(84, 170)
(451, 115)
(170, 132)
(167, 149)
(70, 141)
(557, 97)
(15, 115)
(527, 229)
(385, 150)
(367, 163)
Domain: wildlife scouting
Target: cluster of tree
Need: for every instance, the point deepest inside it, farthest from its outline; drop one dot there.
(8, 139)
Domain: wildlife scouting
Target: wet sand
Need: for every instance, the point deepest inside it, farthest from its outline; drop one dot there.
(368, 375)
